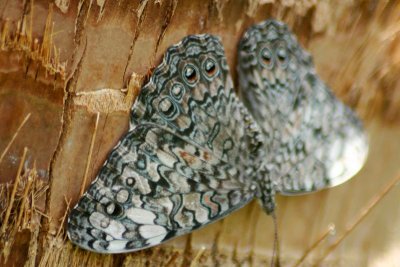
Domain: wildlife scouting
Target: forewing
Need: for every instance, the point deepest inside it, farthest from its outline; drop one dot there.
(312, 139)
(189, 158)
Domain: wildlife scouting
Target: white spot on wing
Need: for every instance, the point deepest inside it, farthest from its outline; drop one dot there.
(122, 196)
(153, 232)
(140, 216)
(155, 240)
(117, 245)
(165, 158)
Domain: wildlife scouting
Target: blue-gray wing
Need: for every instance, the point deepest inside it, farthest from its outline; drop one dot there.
(313, 140)
(189, 158)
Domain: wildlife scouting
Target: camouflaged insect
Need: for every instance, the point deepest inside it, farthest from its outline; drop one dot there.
(313, 141)
(190, 157)
(193, 153)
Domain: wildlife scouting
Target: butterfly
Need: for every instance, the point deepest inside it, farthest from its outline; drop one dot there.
(190, 157)
(194, 154)
(313, 140)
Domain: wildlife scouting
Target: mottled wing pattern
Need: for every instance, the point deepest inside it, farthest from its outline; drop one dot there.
(313, 140)
(188, 159)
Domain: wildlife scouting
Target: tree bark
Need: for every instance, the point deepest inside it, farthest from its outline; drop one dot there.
(70, 71)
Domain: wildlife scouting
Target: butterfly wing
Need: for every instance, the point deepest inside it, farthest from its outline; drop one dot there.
(313, 140)
(183, 163)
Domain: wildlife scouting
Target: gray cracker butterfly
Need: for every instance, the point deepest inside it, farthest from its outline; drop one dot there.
(189, 158)
(312, 140)
(193, 153)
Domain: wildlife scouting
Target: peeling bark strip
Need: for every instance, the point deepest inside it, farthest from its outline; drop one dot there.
(109, 100)
(355, 48)
(102, 100)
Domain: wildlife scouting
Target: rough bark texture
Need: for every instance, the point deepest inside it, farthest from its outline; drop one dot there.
(70, 70)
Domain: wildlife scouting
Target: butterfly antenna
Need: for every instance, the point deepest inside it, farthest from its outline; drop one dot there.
(276, 252)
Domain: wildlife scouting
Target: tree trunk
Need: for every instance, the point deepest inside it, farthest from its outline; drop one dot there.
(70, 71)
